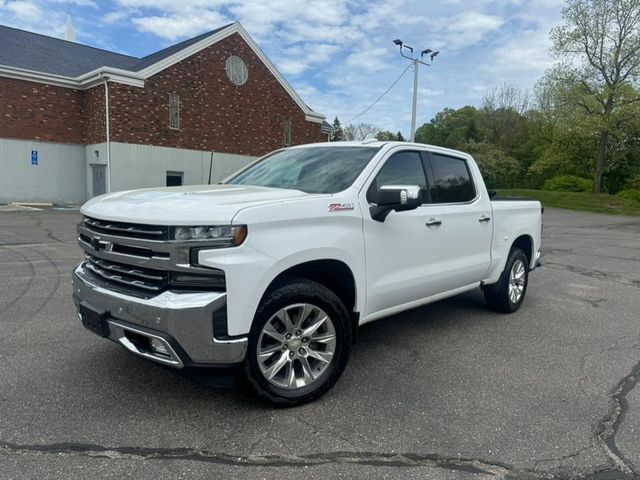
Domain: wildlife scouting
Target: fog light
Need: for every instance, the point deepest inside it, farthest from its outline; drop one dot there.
(159, 347)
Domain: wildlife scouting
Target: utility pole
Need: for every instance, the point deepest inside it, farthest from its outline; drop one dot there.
(416, 63)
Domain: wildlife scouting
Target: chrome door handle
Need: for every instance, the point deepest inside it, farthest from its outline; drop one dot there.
(433, 222)
(484, 219)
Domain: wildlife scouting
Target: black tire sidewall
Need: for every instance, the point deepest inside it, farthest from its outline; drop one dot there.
(292, 292)
(515, 255)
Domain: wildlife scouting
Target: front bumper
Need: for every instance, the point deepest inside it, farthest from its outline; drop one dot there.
(180, 321)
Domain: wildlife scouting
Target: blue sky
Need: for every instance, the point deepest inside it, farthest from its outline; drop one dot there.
(338, 54)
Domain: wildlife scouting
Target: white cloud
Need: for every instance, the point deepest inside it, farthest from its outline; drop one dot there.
(28, 12)
(466, 29)
(176, 27)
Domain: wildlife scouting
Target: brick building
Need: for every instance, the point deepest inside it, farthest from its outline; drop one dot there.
(76, 121)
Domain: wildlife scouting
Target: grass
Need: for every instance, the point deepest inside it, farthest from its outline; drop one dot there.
(590, 202)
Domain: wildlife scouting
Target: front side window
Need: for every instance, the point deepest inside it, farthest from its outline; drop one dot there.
(402, 168)
(311, 169)
(174, 111)
(452, 180)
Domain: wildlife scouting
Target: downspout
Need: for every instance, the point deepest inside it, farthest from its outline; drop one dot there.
(107, 130)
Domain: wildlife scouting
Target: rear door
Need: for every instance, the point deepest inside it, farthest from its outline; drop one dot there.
(467, 223)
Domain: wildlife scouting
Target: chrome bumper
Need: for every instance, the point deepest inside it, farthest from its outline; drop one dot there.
(182, 321)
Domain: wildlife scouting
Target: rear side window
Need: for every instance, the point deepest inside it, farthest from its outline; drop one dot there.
(452, 180)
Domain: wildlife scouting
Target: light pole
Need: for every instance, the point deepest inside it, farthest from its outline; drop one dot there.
(416, 61)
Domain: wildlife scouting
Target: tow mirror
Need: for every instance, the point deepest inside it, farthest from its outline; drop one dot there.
(395, 197)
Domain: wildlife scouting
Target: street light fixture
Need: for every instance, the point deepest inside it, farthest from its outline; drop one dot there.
(416, 61)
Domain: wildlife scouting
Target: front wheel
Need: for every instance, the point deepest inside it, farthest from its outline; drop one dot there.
(299, 343)
(507, 296)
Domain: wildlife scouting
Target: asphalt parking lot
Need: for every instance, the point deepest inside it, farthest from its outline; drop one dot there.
(450, 390)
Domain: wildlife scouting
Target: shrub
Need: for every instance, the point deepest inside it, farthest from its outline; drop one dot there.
(630, 194)
(568, 183)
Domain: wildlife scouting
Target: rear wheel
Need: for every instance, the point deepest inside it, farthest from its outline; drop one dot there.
(507, 296)
(299, 343)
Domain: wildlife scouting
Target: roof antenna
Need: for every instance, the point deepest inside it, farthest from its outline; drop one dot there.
(69, 33)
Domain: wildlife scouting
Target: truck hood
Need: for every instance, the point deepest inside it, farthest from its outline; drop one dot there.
(189, 205)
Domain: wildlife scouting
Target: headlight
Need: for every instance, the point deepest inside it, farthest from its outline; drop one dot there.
(220, 235)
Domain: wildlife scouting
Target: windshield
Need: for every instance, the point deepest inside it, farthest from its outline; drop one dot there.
(312, 169)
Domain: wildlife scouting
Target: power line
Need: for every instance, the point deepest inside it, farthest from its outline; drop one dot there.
(381, 96)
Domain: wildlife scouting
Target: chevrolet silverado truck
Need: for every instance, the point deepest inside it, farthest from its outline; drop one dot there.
(275, 268)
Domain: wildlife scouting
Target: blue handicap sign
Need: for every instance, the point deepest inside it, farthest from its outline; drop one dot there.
(34, 157)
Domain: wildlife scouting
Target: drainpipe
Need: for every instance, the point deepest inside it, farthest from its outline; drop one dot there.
(107, 132)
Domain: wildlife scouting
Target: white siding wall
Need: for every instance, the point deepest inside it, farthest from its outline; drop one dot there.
(64, 176)
(144, 166)
(59, 177)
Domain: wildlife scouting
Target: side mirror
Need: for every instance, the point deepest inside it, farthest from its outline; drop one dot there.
(395, 197)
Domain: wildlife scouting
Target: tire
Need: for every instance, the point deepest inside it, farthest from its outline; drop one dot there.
(271, 353)
(499, 297)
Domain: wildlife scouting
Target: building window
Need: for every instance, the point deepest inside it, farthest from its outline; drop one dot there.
(237, 71)
(174, 111)
(174, 179)
(287, 132)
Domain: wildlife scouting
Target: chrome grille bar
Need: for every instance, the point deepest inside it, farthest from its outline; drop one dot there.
(127, 275)
(153, 232)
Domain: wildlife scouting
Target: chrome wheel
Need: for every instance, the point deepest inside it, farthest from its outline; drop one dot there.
(296, 346)
(517, 279)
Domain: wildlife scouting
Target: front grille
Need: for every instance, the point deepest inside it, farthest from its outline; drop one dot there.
(131, 230)
(140, 259)
(144, 280)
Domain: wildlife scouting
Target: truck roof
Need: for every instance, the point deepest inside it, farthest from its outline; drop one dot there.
(381, 143)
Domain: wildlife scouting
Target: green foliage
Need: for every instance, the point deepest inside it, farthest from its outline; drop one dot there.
(568, 183)
(387, 136)
(522, 143)
(630, 194)
(451, 128)
(498, 169)
(338, 134)
(592, 202)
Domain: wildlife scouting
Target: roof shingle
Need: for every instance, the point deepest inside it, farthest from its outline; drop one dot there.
(40, 53)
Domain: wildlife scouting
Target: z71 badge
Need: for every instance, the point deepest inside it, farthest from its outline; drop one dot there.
(340, 207)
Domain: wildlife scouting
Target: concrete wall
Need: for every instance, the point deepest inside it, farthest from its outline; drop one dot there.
(59, 177)
(143, 166)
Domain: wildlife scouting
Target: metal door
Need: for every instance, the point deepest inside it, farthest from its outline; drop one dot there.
(98, 179)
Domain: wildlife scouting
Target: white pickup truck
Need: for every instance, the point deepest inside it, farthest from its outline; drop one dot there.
(277, 267)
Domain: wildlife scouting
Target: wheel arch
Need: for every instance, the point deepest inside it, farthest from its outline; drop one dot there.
(525, 243)
(333, 274)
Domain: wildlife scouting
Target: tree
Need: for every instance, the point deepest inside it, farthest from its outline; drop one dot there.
(451, 128)
(359, 132)
(337, 135)
(503, 114)
(599, 40)
(387, 136)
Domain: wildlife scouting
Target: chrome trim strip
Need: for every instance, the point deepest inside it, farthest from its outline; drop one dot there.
(120, 337)
(119, 279)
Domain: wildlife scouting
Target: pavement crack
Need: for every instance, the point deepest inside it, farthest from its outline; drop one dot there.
(610, 424)
(385, 459)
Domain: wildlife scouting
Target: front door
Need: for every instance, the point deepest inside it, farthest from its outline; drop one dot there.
(402, 263)
(99, 182)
